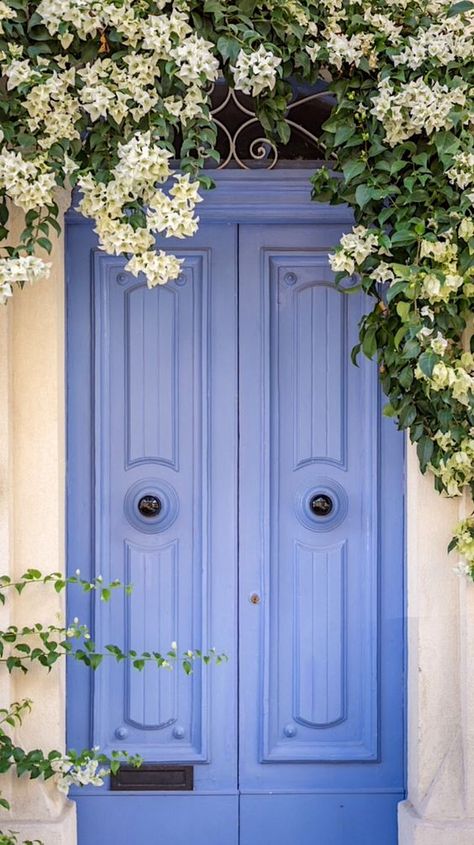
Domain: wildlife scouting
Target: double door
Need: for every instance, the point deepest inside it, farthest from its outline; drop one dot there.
(228, 460)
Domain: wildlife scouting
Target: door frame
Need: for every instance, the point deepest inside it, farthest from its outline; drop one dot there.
(280, 196)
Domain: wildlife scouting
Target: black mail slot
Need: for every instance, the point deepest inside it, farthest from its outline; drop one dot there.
(153, 777)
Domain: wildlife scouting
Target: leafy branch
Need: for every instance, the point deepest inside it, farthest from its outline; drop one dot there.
(60, 582)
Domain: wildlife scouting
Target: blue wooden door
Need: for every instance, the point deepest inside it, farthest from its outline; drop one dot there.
(229, 396)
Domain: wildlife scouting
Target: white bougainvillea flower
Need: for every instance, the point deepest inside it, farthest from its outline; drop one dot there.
(6, 14)
(158, 267)
(254, 72)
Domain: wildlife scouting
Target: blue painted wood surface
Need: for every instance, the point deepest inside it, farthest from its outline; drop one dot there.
(230, 395)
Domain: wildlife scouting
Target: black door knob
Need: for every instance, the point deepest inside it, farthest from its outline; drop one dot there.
(321, 504)
(149, 505)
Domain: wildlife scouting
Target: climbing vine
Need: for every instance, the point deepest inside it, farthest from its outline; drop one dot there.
(39, 644)
(104, 94)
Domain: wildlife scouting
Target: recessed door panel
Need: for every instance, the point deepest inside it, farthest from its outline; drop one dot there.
(152, 371)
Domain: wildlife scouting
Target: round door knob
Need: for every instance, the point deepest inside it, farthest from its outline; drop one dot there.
(121, 732)
(321, 504)
(178, 732)
(149, 506)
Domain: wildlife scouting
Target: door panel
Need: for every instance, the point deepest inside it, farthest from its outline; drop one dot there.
(151, 438)
(158, 819)
(163, 395)
(319, 819)
(317, 690)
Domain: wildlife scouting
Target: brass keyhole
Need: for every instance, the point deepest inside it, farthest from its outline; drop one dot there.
(254, 598)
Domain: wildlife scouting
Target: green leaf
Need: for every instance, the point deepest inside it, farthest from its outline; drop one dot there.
(416, 431)
(228, 48)
(427, 361)
(404, 310)
(343, 133)
(424, 450)
(400, 335)
(411, 349)
(363, 195)
(458, 8)
(352, 168)
(395, 289)
(284, 132)
(369, 342)
(406, 377)
(389, 411)
(45, 244)
(95, 660)
(407, 416)
(403, 238)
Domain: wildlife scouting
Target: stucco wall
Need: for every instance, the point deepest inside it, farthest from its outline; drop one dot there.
(440, 642)
(32, 474)
(440, 809)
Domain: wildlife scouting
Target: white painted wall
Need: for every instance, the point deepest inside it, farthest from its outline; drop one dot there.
(440, 809)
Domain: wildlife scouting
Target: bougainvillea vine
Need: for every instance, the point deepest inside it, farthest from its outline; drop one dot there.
(105, 94)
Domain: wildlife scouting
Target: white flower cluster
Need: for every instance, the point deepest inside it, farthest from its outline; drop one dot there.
(69, 773)
(457, 469)
(109, 89)
(88, 17)
(445, 42)
(195, 60)
(416, 107)
(457, 377)
(142, 165)
(27, 182)
(254, 72)
(466, 229)
(383, 24)
(353, 249)
(437, 277)
(53, 108)
(462, 171)
(342, 48)
(20, 271)
(19, 71)
(158, 267)
(6, 14)
(105, 87)
(464, 537)
(443, 279)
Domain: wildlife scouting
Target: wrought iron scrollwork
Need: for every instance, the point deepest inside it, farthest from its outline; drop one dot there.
(242, 141)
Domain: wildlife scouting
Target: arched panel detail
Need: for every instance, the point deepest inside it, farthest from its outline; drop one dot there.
(151, 619)
(151, 375)
(319, 635)
(320, 372)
